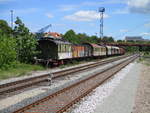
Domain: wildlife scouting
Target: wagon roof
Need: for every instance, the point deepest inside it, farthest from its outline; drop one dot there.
(115, 47)
(96, 45)
(93, 45)
(60, 42)
(108, 46)
(56, 41)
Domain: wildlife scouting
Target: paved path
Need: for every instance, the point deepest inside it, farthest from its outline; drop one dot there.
(142, 101)
(123, 96)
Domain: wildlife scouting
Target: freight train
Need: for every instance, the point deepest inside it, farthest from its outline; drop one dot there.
(54, 50)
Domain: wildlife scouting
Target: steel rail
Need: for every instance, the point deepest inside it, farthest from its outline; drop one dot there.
(21, 84)
(61, 100)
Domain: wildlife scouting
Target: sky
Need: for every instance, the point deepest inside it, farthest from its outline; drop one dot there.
(121, 17)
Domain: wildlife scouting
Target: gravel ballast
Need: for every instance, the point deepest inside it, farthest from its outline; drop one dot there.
(39, 73)
(28, 97)
(142, 101)
(115, 96)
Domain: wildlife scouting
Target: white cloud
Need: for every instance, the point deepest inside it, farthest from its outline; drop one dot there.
(68, 7)
(104, 2)
(49, 15)
(25, 11)
(18, 12)
(121, 11)
(147, 24)
(139, 6)
(135, 6)
(3, 1)
(59, 25)
(88, 15)
(145, 34)
(124, 30)
(92, 24)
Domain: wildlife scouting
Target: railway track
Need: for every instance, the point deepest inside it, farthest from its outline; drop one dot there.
(60, 101)
(25, 83)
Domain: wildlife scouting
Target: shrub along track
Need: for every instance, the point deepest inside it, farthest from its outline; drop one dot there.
(63, 99)
(26, 83)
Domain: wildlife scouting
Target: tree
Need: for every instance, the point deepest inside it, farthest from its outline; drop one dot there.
(120, 41)
(7, 45)
(110, 39)
(7, 51)
(5, 29)
(107, 39)
(132, 49)
(83, 38)
(79, 38)
(71, 37)
(93, 39)
(26, 42)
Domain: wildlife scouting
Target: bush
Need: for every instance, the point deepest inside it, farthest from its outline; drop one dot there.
(26, 42)
(26, 48)
(7, 51)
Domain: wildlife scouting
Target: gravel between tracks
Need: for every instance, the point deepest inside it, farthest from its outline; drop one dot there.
(142, 101)
(38, 73)
(20, 100)
(114, 96)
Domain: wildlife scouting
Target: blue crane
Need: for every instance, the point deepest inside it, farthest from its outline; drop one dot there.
(42, 30)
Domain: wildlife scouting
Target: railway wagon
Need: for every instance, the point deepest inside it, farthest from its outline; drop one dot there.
(54, 49)
(122, 51)
(77, 51)
(95, 50)
(103, 50)
(57, 50)
(87, 50)
(108, 50)
(116, 50)
(112, 50)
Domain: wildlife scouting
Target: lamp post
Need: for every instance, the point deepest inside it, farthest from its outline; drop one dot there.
(101, 11)
(11, 13)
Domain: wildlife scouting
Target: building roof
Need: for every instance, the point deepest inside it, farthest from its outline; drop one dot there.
(133, 38)
(52, 34)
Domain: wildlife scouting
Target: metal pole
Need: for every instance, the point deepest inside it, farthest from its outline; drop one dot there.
(101, 11)
(102, 26)
(11, 11)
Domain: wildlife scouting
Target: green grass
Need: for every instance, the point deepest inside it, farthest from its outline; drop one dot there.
(145, 59)
(70, 64)
(18, 70)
